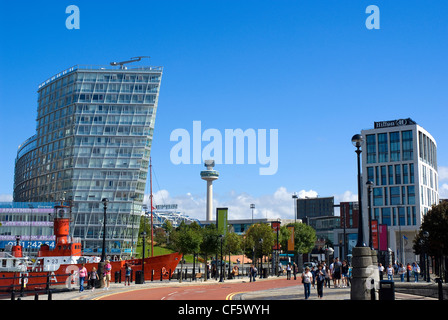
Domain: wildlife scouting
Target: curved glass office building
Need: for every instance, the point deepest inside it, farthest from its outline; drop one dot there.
(93, 141)
(400, 158)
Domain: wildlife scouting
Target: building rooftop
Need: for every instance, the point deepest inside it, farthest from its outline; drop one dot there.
(100, 68)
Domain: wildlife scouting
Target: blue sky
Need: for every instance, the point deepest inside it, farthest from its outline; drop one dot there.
(310, 69)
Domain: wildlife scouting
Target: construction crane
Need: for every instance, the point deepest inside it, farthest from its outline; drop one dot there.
(135, 59)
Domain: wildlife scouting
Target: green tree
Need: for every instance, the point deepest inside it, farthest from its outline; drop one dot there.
(210, 242)
(259, 240)
(435, 223)
(233, 244)
(304, 237)
(186, 239)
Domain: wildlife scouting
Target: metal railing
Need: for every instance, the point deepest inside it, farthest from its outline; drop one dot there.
(21, 288)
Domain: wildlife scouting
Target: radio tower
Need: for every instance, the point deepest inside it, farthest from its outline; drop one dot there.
(209, 175)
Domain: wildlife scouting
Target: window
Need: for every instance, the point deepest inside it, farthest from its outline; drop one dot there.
(395, 196)
(386, 216)
(397, 174)
(383, 176)
(394, 146)
(377, 196)
(370, 175)
(383, 155)
(408, 215)
(371, 148)
(391, 174)
(405, 174)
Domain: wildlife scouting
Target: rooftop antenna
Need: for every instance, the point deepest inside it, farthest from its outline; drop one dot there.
(135, 59)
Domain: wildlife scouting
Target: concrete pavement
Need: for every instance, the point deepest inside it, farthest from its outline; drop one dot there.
(294, 292)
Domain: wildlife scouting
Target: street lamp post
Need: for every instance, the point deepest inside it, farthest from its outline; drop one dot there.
(426, 236)
(261, 258)
(143, 234)
(221, 275)
(103, 251)
(132, 230)
(357, 141)
(399, 234)
(295, 197)
(369, 202)
(252, 206)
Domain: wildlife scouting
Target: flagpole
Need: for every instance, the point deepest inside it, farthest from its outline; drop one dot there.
(150, 183)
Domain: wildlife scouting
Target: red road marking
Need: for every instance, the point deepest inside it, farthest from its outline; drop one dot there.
(216, 291)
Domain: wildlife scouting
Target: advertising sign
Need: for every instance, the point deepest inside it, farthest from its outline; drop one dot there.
(276, 228)
(291, 239)
(375, 234)
(221, 220)
(383, 237)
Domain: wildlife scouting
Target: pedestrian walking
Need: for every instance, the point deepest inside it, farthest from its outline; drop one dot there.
(320, 280)
(107, 274)
(332, 273)
(253, 273)
(416, 271)
(349, 276)
(327, 277)
(344, 273)
(288, 271)
(127, 274)
(390, 273)
(401, 272)
(82, 277)
(294, 270)
(408, 270)
(93, 276)
(381, 270)
(307, 278)
(337, 273)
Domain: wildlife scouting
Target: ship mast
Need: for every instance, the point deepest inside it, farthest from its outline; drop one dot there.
(150, 186)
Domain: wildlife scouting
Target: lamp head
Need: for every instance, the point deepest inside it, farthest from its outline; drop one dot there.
(357, 140)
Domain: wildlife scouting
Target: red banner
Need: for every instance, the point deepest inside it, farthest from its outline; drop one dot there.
(383, 237)
(276, 228)
(375, 234)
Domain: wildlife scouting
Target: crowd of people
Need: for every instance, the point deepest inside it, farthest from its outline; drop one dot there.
(400, 270)
(321, 276)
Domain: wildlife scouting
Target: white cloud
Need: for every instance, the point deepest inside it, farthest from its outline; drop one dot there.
(443, 191)
(6, 198)
(276, 205)
(443, 173)
(347, 196)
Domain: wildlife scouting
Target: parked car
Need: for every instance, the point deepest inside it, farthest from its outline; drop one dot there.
(310, 265)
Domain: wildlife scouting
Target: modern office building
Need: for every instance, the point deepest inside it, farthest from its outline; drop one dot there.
(93, 140)
(314, 207)
(400, 158)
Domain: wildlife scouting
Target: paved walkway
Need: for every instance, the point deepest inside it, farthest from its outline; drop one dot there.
(294, 292)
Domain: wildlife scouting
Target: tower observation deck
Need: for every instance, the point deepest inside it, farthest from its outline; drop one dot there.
(209, 175)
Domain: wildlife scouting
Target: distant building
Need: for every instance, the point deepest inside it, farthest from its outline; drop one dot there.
(349, 213)
(400, 158)
(314, 207)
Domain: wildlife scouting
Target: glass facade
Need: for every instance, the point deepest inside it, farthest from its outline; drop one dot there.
(401, 169)
(93, 141)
